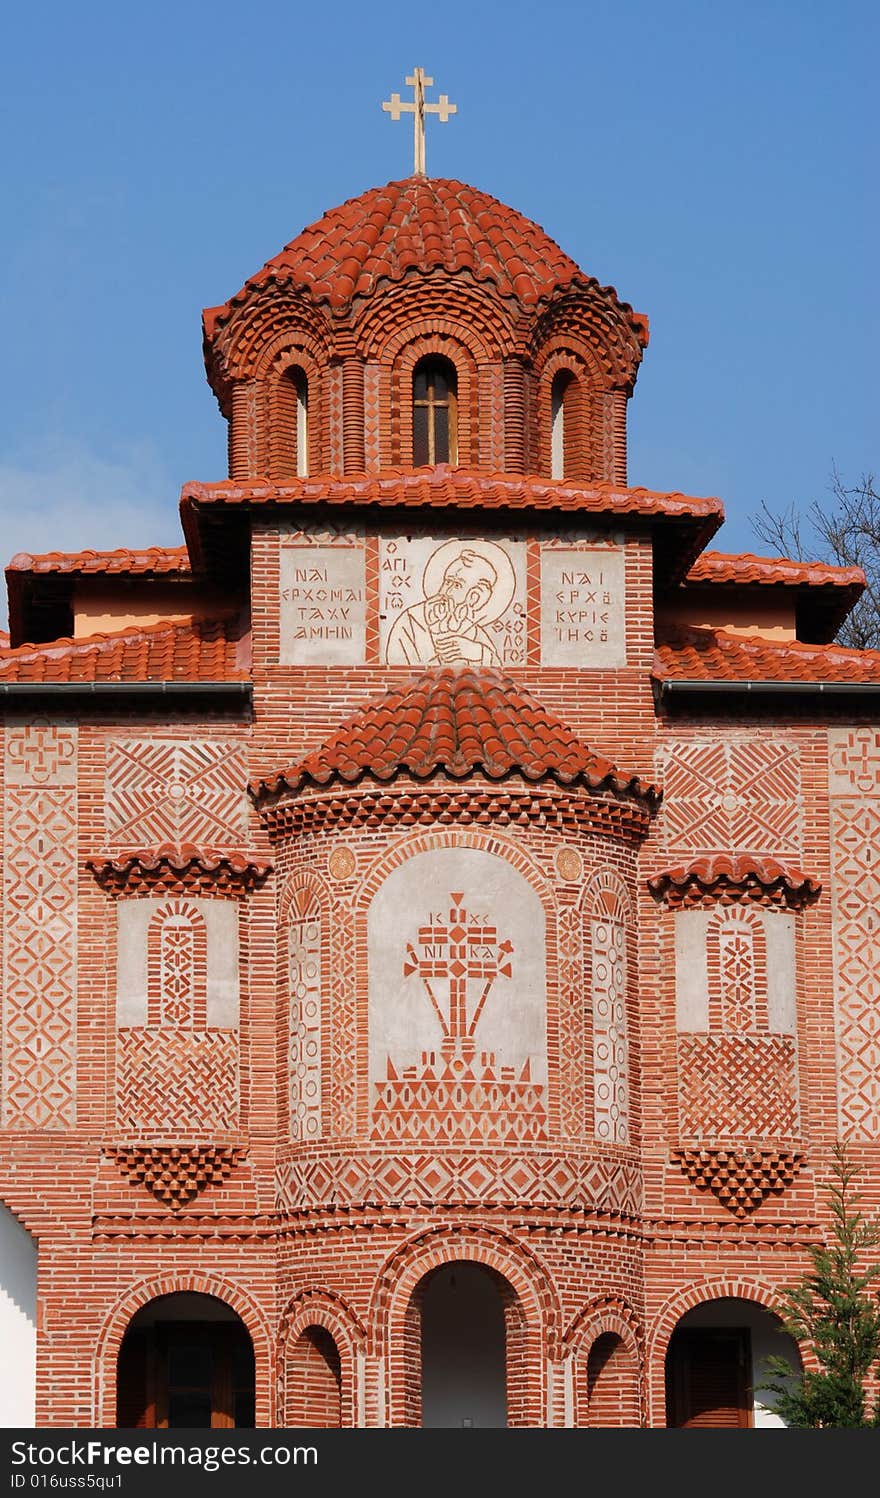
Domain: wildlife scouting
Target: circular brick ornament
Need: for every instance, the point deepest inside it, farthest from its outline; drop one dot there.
(569, 864)
(341, 863)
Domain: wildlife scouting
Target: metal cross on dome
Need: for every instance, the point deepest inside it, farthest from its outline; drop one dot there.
(395, 106)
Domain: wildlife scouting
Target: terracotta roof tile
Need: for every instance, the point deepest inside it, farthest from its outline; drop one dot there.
(734, 872)
(712, 655)
(180, 858)
(461, 722)
(149, 559)
(426, 224)
(198, 650)
(455, 488)
(744, 567)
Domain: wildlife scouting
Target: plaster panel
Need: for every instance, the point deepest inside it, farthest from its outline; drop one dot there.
(323, 604)
(779, 930)
(691, 970)
(583, 606)
(452, 601)
(457, 1001)
(222, 996)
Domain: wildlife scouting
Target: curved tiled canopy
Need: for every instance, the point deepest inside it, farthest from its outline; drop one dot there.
(459, 722)
(422, 224)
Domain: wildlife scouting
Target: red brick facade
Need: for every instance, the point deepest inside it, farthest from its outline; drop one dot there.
(418, 874)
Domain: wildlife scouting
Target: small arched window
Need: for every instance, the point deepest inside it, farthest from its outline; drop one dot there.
(291, 435)
(435, 412)
(562, 396)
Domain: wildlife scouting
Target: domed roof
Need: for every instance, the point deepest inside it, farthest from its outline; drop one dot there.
(422, 224)
(460, 721)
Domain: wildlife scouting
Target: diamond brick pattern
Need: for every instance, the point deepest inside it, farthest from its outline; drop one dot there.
(173, 791)
(855, 833)
(737, 1087)
(176, 1080)
(571, 1021)
(495, 1178)
(40, 837)
(343, 1037)
(732, 796)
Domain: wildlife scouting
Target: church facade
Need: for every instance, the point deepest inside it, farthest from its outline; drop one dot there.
(439, 899)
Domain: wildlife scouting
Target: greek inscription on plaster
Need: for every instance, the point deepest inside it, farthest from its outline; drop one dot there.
(452, 602)
(583, 607)
(323, 605)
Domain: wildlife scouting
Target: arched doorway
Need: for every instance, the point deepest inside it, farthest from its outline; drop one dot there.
(186, 1360)
(716, 1366)
(314, 1381)
(463, 1308)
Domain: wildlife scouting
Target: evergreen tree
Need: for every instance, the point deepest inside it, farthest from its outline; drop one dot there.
(834, 1308)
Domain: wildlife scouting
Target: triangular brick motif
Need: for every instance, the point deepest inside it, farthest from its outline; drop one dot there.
(176, 1173)
(741, 1179)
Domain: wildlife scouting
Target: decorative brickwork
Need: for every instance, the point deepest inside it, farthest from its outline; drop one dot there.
(174, 791)
(176, 1173)
(610, 917)
(176, 1081)
(733, 796)
(40, 834)
(574, 1181)
(855, 831)
(737, 1087)
(304, 1045)
(740, 1179)
(177, 967)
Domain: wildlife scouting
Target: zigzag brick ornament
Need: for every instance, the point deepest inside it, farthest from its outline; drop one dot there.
(441, 895)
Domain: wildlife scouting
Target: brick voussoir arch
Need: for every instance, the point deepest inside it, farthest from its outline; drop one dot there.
(385, 324)
(758, 1292)
(181, 1282)
(317, 1306)
(429, 841)
(537, 1300)
(616, 1316)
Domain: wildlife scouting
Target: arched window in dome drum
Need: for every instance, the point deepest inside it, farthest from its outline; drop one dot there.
(562, 394)
(435, 412)
(291, 425)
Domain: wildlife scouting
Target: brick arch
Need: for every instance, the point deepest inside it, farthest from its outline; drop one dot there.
(678, 1305)
(244, 347)
(466, 837)
(532, 1316)
(623, 1401)
(452, 306)
(322, 1308)
(278, 442)
(584, 442)
(587, 322)
(116, 1323)
(419, 341)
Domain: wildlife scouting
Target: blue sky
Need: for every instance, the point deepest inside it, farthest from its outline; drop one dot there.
(717, 164)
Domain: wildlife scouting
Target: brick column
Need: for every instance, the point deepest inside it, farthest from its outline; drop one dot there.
(354, 460)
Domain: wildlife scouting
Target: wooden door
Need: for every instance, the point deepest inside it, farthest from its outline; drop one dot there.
(707, 1380)
(186, 1375)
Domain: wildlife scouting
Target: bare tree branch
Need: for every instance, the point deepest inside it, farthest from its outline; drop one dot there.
(845, 531)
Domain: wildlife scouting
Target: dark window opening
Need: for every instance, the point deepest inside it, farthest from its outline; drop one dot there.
(435, 412)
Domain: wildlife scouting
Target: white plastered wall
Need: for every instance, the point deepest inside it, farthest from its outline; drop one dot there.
(18, 1323)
